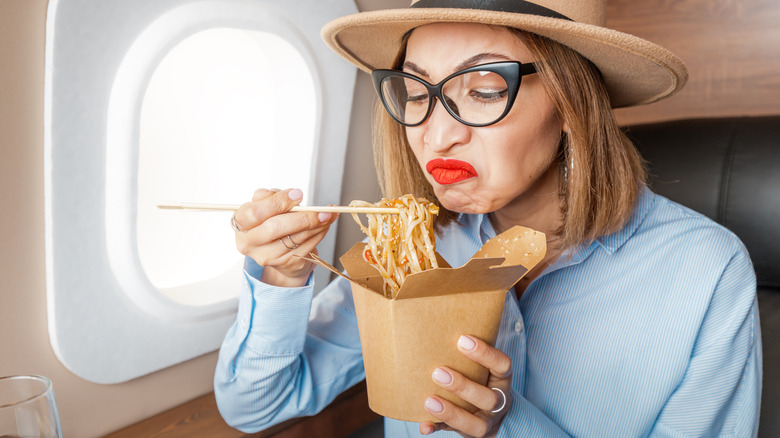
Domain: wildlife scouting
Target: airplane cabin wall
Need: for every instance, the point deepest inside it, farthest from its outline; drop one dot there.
(731, 48)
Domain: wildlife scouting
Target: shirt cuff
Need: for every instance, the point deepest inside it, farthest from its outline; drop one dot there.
(277, 317)
(252, 268)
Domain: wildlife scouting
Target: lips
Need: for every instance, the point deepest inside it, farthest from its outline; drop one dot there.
(450, 171)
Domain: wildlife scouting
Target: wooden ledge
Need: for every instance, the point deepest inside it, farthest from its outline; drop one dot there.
(200, 418)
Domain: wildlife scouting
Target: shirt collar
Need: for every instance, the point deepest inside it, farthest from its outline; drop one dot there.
(613, 242)
(485, 227)
(610, 243)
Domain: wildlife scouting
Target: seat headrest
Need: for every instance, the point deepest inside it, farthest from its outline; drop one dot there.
(727, 169)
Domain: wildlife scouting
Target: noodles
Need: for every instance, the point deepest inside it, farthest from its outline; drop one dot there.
(399, 244)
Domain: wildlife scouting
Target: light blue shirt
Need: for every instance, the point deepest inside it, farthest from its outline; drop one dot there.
(651, 331)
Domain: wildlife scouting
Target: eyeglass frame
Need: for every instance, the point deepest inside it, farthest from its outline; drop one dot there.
(511, 71)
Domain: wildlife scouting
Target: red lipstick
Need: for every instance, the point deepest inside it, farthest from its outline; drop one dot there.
(450, 171)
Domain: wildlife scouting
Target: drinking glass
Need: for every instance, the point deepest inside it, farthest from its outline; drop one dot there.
(28, 408)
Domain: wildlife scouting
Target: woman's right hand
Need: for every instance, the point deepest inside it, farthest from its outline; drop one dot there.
(269, 230)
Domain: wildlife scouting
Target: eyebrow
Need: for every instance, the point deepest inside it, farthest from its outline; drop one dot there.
(477, 59)
(474, 60)
(408, 65)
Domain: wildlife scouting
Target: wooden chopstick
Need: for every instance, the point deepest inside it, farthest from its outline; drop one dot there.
(319, 208)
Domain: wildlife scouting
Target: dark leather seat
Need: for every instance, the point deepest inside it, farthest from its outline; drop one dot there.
(729, 170)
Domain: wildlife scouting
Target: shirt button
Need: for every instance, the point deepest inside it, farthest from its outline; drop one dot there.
(244, 324)
(518, 327)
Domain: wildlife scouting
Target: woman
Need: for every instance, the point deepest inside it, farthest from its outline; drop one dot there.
(640, 321)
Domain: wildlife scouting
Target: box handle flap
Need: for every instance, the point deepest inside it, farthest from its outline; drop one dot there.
(518, 246)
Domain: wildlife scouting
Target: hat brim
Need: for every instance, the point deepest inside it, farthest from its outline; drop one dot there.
(635, 70)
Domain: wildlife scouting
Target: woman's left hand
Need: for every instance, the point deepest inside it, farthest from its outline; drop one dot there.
(491, 403)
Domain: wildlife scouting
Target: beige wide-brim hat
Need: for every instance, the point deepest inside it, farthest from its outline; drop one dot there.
(635, 70)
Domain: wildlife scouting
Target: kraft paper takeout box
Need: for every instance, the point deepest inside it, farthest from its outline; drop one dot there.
(404, 339)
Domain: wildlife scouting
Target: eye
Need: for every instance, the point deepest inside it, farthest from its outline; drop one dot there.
(482, 87)
(488, 95)
(417, 98)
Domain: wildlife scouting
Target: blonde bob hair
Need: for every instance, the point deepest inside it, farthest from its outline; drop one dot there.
(601, 172)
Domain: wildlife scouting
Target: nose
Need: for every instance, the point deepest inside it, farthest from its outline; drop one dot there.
(442, 131)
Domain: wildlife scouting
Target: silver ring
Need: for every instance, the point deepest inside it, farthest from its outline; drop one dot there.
(503, 401)
(290, 248)
(234, 225)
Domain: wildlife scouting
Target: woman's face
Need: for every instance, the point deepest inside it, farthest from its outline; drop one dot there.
(483, 169)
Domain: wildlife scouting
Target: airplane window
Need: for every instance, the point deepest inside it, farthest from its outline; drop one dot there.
(227, 110)
(150, 102)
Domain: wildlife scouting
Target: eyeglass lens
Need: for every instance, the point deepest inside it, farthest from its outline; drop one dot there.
(476, 97)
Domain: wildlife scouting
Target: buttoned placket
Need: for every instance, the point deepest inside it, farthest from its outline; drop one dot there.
(513, 340)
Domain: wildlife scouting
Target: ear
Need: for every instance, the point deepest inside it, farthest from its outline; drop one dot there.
(565, 127)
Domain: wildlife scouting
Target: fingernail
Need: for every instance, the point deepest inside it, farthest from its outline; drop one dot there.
(442, 376)
(467, 343)
(324, 217)
(295, 194)
(434, 405)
